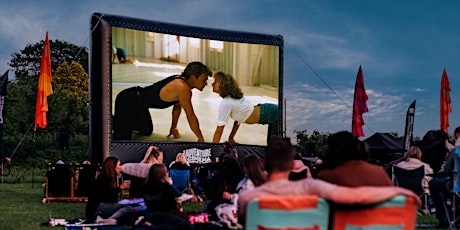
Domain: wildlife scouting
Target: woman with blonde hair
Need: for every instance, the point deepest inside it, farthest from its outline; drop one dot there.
(234, 105)
(153, 155)
(413, 160)
(180, 162)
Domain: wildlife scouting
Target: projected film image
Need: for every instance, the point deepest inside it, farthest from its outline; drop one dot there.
(146, 113)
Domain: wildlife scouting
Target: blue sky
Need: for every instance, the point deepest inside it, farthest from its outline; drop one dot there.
(402, 46)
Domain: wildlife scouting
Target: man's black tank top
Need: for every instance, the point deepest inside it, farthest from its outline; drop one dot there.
(150, 95)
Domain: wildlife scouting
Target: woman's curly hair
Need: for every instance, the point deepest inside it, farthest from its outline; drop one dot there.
(228, 86)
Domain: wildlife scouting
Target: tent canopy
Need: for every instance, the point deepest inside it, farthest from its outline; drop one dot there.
(383, 146)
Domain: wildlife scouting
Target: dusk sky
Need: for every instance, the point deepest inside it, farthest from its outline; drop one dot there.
(402, 46)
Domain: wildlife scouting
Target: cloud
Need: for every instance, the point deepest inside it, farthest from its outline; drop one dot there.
(316, 108)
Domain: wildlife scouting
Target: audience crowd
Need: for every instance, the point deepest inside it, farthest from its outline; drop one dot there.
(346, 177)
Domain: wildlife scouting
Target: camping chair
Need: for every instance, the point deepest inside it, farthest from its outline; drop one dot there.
(181, 179)
(455, 190)
(59, 182)
(412, 180)
(287, 212)
(399, 212)
(83, 184)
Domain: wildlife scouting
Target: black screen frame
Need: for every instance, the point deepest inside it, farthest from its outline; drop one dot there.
(100, 100)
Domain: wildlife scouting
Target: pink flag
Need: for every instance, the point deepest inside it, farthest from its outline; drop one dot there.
(359, 105)
(445, 102)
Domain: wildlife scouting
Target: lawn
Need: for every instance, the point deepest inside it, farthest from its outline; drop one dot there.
(21, 204)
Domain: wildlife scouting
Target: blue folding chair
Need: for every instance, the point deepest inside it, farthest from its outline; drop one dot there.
(180, 178)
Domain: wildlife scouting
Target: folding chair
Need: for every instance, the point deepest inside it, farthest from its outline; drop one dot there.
(181, 179)
(86, 176)
(412, 180)
(399, 212)
(455, 190)
(287, 212)
(59, 183)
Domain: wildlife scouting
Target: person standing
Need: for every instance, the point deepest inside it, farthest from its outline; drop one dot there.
(132, 104)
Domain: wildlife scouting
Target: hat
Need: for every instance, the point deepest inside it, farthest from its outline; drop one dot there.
(298, 166)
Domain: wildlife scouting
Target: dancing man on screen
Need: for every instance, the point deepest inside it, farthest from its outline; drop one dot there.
(234, 105)
(132, 104)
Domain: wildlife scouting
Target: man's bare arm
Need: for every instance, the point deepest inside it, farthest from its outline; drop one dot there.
(368, 194)
(185, 100)
(176, 111)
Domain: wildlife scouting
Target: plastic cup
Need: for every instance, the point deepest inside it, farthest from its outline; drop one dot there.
(128, 182)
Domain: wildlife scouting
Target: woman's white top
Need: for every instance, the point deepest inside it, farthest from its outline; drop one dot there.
(237, 109)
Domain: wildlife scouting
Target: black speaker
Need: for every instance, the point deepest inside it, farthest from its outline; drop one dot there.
(310, 149)
(62, 141)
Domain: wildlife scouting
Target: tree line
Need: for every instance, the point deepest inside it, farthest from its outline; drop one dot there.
(68, 106)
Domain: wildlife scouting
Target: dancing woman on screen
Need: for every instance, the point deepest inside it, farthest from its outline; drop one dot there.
(240, 109)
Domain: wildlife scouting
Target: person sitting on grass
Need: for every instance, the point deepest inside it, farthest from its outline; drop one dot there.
(224, 182)
(160, 197)
(103, 206)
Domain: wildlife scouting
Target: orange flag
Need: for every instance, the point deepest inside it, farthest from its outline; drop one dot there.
(44, 86)
(359, 105)
(445, 102)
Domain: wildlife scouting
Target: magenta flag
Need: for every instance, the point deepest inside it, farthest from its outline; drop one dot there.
(445, 108)
(359, 105)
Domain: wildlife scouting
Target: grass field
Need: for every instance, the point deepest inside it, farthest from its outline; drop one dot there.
(21, 204)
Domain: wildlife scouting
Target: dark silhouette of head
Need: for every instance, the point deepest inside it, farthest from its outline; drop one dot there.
(343, 146)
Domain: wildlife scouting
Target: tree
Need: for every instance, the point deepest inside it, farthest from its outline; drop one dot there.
(318, 138)
(26, 63)
(68, 105)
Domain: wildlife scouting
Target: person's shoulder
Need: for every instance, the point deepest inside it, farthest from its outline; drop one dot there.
(246, 195)
(226, 100)
(179, 84)
(427, 166)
